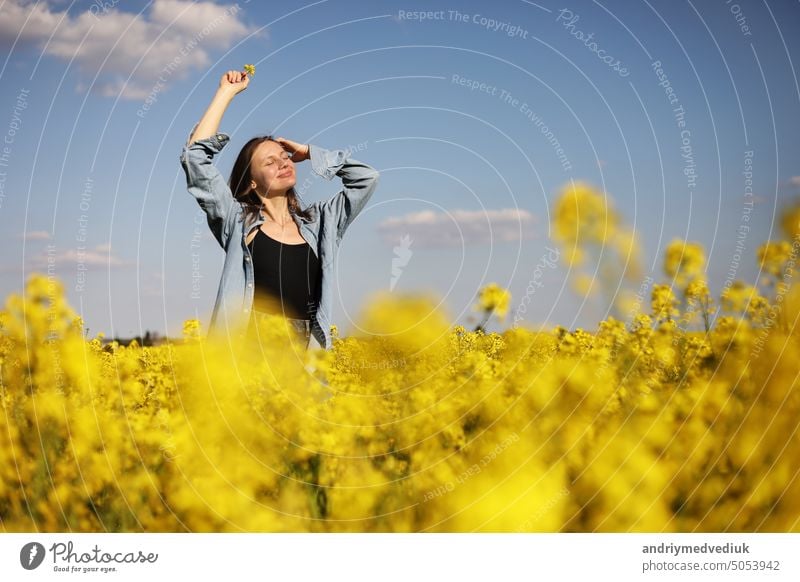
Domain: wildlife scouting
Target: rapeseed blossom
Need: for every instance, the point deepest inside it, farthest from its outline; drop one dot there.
(773, 256)
(596, 245)
(492, 299)
(684, 262)
(410, 423)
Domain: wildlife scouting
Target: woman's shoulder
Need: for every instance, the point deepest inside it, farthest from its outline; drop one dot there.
(311, 211)
(241, 215)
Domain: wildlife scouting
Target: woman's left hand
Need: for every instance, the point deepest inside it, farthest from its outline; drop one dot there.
(299, 151)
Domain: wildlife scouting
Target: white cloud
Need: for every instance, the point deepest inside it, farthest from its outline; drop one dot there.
(459, 227)
(36, 235)
(96, 258)
(24, 22)
(120, 44)
(794, 180)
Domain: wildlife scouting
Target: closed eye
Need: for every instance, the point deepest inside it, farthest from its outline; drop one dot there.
(271, 159)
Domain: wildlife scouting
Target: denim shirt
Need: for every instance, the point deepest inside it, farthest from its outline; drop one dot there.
(323, 232)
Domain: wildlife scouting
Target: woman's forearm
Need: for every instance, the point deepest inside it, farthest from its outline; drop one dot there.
(209, 123)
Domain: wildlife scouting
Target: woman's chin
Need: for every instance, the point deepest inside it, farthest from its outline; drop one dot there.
(283, 183)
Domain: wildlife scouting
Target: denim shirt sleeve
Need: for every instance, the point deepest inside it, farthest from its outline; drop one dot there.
(359, 182)
(206, 184)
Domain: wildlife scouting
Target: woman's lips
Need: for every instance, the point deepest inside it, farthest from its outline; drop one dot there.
(285, 174)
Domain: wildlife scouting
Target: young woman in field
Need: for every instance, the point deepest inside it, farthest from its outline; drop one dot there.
(279, 255)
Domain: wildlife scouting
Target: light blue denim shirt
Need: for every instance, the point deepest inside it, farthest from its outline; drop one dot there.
(323, 232)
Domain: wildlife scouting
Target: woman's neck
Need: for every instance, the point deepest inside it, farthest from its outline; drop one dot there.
(276, 208)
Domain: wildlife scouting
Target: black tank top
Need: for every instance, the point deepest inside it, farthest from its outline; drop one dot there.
(286, 277)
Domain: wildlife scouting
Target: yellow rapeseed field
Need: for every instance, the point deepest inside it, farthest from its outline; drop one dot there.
(681, 417)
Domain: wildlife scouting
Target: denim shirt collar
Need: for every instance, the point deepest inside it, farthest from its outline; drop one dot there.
(302, 226)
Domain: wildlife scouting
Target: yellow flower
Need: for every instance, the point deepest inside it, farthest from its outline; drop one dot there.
(494, 298)
(250, 70)
(583, 284)
(699, 300)
(414, 424)
(663, 302)
(582, 215)
(742, 298)
(773, 255)
(790, 220)
(191, 329)
(592, 235)
(684, 262)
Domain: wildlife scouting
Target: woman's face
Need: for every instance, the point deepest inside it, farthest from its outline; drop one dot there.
(271, 170)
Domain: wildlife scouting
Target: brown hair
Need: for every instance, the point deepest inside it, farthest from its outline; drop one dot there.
(240, 183)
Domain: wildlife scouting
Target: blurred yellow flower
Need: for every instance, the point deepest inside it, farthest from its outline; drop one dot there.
(664, 304)
(583, 284)
(191, 329)
(737, 296)
(413, 424)
(790, 221)
(493, 298)
(773, 256)
(592, 237)
(699, 300)
(684, 262)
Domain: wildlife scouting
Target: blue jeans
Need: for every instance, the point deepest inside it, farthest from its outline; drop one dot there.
(301, 326)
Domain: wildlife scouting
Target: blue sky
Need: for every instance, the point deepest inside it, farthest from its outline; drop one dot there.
(450, 109)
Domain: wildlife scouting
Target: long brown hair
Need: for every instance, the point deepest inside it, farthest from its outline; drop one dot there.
(240, 183)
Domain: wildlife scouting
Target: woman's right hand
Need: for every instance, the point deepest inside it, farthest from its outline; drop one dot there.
(234, 82)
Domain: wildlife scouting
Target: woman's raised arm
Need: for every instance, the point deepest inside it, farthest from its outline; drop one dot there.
(203, 179)
(359, 181)
(231, 84)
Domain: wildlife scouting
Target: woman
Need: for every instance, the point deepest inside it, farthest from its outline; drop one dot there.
(279, 257)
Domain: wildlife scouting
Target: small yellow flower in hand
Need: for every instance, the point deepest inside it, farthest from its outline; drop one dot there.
(250, 70)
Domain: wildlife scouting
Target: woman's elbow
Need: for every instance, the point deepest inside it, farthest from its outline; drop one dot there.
(373, 179)
(374, 176)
